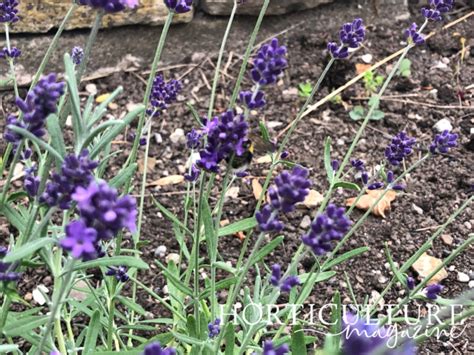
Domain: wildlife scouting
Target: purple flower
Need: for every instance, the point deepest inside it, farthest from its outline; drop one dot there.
(269, 63)
(400, 147)
(120, 273)
(358, 164)
(391, 179)
(142, 141)
(364, 177)
(31, 183)
(410, 283)
(193, 139)
(162, 94)
(289, 189)
(290, 282)
(253, 99)
(179, 6)
(362, 337)
(442, 6)
(284, 154)
(75, 171)
(80, 240)
(7, 275)
(193, 175)
(77, 55)
(214, 328)
(412, 34)
(276, 275)
(110, 6)
(270, 349)
(226, 136)
(375, 185)
(156, 349)
(102, 209)
(431, 14)
(329, 226)
(335, 165)
(13, 53)
(443, 142)
(351, 35)
(9, 11)
(432, 291)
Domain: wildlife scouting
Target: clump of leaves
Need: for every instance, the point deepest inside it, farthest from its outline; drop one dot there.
(372, 81)
(359, 112)
(405, 68)
(304, 89)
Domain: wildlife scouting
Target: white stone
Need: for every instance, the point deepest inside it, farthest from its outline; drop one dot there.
(443, 125)
(177, 136)
(462, 277)
(367, 58)
(172, 257)
(91, 89)
(417, 209)
(160, 251)
(305, 222)
(38, 294)
(471, 284)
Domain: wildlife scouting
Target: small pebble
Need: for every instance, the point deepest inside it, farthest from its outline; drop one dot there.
(447, 239)
(367, 58)
(462, 277)
(305, 222)
(471, 284)
(443, 125)
(417, 209)
(160, 251)
(91, 89)
(177, 136)
(172, 257)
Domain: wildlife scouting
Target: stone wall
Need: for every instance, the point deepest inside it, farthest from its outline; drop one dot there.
(44, 15)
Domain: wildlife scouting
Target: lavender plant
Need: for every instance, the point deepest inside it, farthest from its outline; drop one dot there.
(77, 219)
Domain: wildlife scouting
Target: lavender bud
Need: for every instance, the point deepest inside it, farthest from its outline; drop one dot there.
(289, 283)
(400, 147)
(270, 349)
(77, 55)
(9, 11)
(276, 275)
(179, 6)
(443, 142)
(432, 291)
(214, 328)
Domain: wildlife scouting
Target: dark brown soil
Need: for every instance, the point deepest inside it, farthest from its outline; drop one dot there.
(438, 187)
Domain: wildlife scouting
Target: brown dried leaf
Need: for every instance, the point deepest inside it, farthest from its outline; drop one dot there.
(151, 165)
(361, 67)
(240, 235)
(367, 200)
(168, 180)
(256, 188)
(426, 264)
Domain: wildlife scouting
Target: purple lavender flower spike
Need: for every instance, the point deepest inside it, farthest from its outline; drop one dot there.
(269, 63)
(443, 142)
(76, 171)
(267, 220)
(9, 11)
(80, 240)
(179, 6)
(253, 100)
(226, 135)
(289, 283)
(335, 165)
(432, 291)
(142, 141)
(390, 180)
(156, 349)
(102, 209)
(410, 283)
(31, 184)
(400, 148)
(7, 275)
(290, 188)
(442, 6)
(412, 34)
(270, 349)
(193, 175)
(358, 164)
(365, 178)
(329, 226)
(110, 6)
(375, 185)
(77, 55)
(351, 35)
(13, 53)
(284, 154)
(120, 273)
(193, 139)
(163, 93)
(431, 14)
(214, 328)
(276, 275)
(363, 338)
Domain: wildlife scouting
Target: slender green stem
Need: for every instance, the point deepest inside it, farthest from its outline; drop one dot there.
(248, 52)
(219, 60)
(90, 42)
(57, 303)
(110, 327)
(11, 61)
(60, 336)
(16, 159)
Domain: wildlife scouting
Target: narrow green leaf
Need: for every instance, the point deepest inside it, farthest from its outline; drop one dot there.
(42, 144)
(56, 135)
(7, 348)
(327, 160)
(242, 225)
(267, 249)
(98, 130)
(102, 108)
(24, 325)
(188, 340)
(74, 100)
(130, 304)
(322, 276)
(14, 217)
(209, 230)
(348, 255)
(298, 345)
(347, 185)
(27, 249)
(174, 280)
(128, 261)
(92, 334)
(333, 338)
(123, 176)
(396, 272)
(194, 113)
(220, 285)
(229, 339)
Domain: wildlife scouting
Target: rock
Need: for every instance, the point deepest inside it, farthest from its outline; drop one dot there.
(367, 58)
(252, 7)
(426, 264)
(313, 199)
(443, 125)
(44, 15)
(160, 251)
(417, 209)
(233, 192)
(172, 257)
(289, 94)
(198, 57)
(462, 277)
(447, 239)
(178, 137)
(471, 284)
(91, 89)
(79, 291)
(305, 222)
(38, 294)
(376, 300)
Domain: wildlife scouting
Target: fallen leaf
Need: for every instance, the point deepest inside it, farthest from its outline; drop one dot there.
(150, 165)
(80, 291)
(102, 98)
(224, 222)
(361, 67)
(168, 180)
(256, 188)
(313, 199)
(18, 171)
(240, 235)
(264, 159)
(233, 192)
(426, 264)
(367, 200)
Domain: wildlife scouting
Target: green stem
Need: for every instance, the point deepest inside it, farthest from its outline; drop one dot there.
(248, 52)
(8, 180)
(89, 44)
(10, 60)
(60, 336)
(219, 60)
(110, 327)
